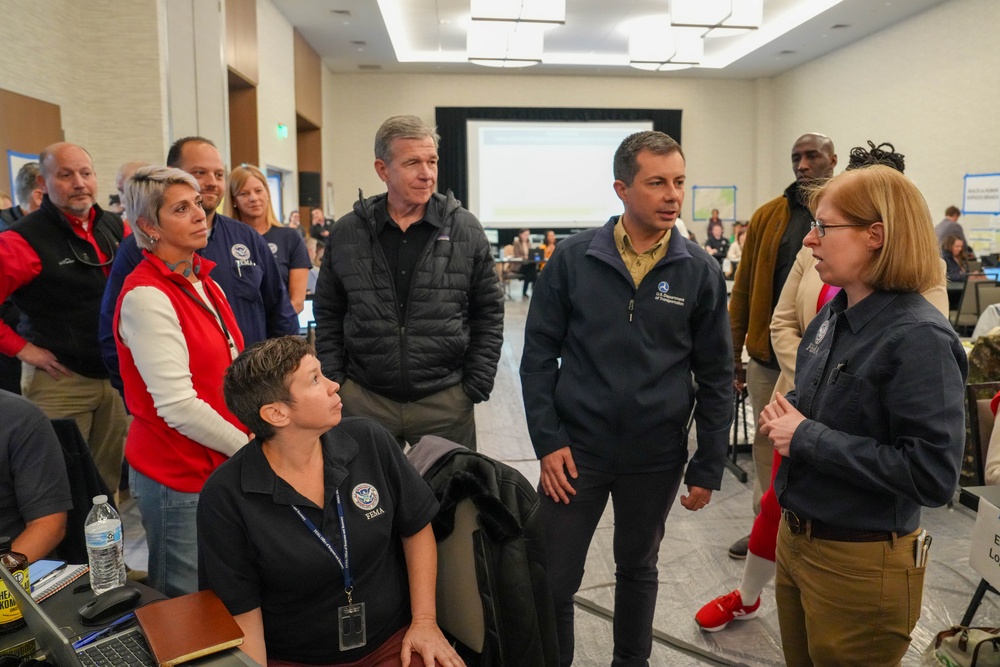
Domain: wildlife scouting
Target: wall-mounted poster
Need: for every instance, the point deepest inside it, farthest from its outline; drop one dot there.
(708, 197)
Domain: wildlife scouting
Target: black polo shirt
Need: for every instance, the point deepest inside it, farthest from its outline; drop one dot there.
(403, 250)
(254, 551)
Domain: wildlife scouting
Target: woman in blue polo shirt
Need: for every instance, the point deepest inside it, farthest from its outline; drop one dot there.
(317, 534)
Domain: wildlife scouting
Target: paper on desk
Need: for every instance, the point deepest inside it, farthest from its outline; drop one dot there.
(66, 576)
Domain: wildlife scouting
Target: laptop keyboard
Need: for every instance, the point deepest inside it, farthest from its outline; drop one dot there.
(125, 650)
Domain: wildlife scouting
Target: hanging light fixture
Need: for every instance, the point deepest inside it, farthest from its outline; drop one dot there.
(700, 13)
(653, 45)
(747, 15)
(551, 12)
(498, 44)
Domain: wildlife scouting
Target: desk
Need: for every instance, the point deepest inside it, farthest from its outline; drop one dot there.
(63, 609)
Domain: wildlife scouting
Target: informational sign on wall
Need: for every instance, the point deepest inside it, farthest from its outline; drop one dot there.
(982, 194)
(708, 197)
(15, 161)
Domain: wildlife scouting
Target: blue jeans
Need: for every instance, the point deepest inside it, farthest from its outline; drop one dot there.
(169, 518)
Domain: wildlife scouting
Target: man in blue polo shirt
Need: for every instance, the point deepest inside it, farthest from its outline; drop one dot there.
(245, 267)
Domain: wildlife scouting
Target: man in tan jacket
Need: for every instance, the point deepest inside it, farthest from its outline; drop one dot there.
(773, 239)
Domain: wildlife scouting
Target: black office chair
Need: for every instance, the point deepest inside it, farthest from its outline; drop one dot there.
(84, 483)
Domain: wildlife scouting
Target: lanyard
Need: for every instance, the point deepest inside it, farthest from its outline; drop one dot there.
(345, 562)
(217, 314)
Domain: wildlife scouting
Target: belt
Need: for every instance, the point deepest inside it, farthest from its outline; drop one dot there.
(821, 531)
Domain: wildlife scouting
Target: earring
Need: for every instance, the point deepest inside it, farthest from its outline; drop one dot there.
(155, 239)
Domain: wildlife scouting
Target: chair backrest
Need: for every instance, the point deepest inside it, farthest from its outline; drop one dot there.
(84, 483)
(459, 608)
(968, 308)
(978, 427)
(987, 294)
(507, 251)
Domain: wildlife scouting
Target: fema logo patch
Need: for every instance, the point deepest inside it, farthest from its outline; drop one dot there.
(365, 496)
(664, 287)
(240, 252)
(273, 247)
(821, 334)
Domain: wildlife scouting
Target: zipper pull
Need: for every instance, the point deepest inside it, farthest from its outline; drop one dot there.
(631, 308)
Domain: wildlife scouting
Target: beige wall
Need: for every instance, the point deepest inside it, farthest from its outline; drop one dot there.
(99, 61)
(931, 86)
(276, 99)
(718, 118)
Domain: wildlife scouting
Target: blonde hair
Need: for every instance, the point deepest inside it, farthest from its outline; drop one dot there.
(237, 180)
(908, 260)
(143, 197)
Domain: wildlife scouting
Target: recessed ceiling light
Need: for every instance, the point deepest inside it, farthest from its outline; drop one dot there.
(839, 26)
(341, 12)
(359, 42)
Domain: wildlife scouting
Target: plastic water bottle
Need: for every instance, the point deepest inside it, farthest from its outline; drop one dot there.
(105, 546)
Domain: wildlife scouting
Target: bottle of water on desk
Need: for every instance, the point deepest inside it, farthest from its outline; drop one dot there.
(105, 547)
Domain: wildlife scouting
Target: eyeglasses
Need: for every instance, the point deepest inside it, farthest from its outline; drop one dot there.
(821, 227)
(85, 260)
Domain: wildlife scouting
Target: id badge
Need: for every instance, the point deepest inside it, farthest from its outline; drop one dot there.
(351, 626)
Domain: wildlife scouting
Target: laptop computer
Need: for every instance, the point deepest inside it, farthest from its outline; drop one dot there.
(112, 650)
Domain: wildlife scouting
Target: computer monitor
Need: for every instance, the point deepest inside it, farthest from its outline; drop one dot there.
(993, 273)
(493, 236)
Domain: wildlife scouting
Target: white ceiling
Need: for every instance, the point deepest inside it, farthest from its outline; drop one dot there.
(351, 35)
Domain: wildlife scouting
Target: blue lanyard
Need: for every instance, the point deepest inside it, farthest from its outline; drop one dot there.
(345, 562)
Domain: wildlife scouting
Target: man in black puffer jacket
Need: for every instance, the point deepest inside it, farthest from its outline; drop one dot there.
(409, 310)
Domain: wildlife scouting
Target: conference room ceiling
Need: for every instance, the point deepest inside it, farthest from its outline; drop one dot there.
(351, 35)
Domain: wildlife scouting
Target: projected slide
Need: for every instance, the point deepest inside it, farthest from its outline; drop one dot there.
(555, 174)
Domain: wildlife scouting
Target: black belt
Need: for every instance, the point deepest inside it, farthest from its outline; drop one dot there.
(822, 531)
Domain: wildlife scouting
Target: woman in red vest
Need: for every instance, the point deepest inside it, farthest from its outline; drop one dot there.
(176, 335)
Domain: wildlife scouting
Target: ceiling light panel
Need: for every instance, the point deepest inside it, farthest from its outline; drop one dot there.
(528, 11)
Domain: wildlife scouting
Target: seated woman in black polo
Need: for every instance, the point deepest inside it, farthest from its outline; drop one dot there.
(317, 534)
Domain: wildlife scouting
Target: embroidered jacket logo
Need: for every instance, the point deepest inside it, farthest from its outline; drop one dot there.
(662, 294)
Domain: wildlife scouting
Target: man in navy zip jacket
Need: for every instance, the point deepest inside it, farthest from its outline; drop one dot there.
(621, 318)
(245, 267)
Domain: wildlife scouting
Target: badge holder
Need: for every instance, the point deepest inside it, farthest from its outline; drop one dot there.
(351, 625)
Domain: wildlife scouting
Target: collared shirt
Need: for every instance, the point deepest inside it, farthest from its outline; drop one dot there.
(881, 385)
(639, 264)
(403, 249)
(255, 552)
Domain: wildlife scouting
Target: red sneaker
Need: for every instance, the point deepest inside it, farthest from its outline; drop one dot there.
(717, 614)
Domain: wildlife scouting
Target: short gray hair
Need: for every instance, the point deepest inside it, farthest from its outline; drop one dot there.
(143, 197)
(657, 143)
(401, 127)
(26, 182)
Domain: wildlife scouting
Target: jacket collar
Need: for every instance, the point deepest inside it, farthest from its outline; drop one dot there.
(863, 312)
(603, 246)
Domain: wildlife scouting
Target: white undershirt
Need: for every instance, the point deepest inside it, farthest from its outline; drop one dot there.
(149, 327)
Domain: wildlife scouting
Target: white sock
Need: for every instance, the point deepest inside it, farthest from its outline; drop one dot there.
(757, 572)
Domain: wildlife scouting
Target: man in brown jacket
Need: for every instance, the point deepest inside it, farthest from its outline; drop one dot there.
(773, 239)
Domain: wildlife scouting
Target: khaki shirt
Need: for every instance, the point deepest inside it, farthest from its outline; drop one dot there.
(639, 265)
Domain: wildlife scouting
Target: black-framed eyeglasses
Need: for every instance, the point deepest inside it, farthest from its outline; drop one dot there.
(85, 260)
(821, 227)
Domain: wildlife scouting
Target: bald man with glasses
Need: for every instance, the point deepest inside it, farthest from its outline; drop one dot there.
(56, 262)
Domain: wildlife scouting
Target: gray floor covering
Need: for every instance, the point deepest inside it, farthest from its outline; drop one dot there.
(694, 566)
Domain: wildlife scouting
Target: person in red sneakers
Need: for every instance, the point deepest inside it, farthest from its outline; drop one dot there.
(803, 295)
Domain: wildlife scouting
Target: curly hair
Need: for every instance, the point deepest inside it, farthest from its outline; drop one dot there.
(876, 155)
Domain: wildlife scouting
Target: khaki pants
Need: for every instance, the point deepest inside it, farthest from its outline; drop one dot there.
(846, 603)
(760, 386)
(449, 414)
(96, 408)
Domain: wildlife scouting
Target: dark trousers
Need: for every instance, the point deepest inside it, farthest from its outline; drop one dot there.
(641, 503)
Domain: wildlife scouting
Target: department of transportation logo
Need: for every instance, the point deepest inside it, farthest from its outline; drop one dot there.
(240, 252)
(664, 287)
(365, 496)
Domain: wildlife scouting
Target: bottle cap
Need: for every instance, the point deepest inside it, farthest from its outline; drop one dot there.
(100, 500)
